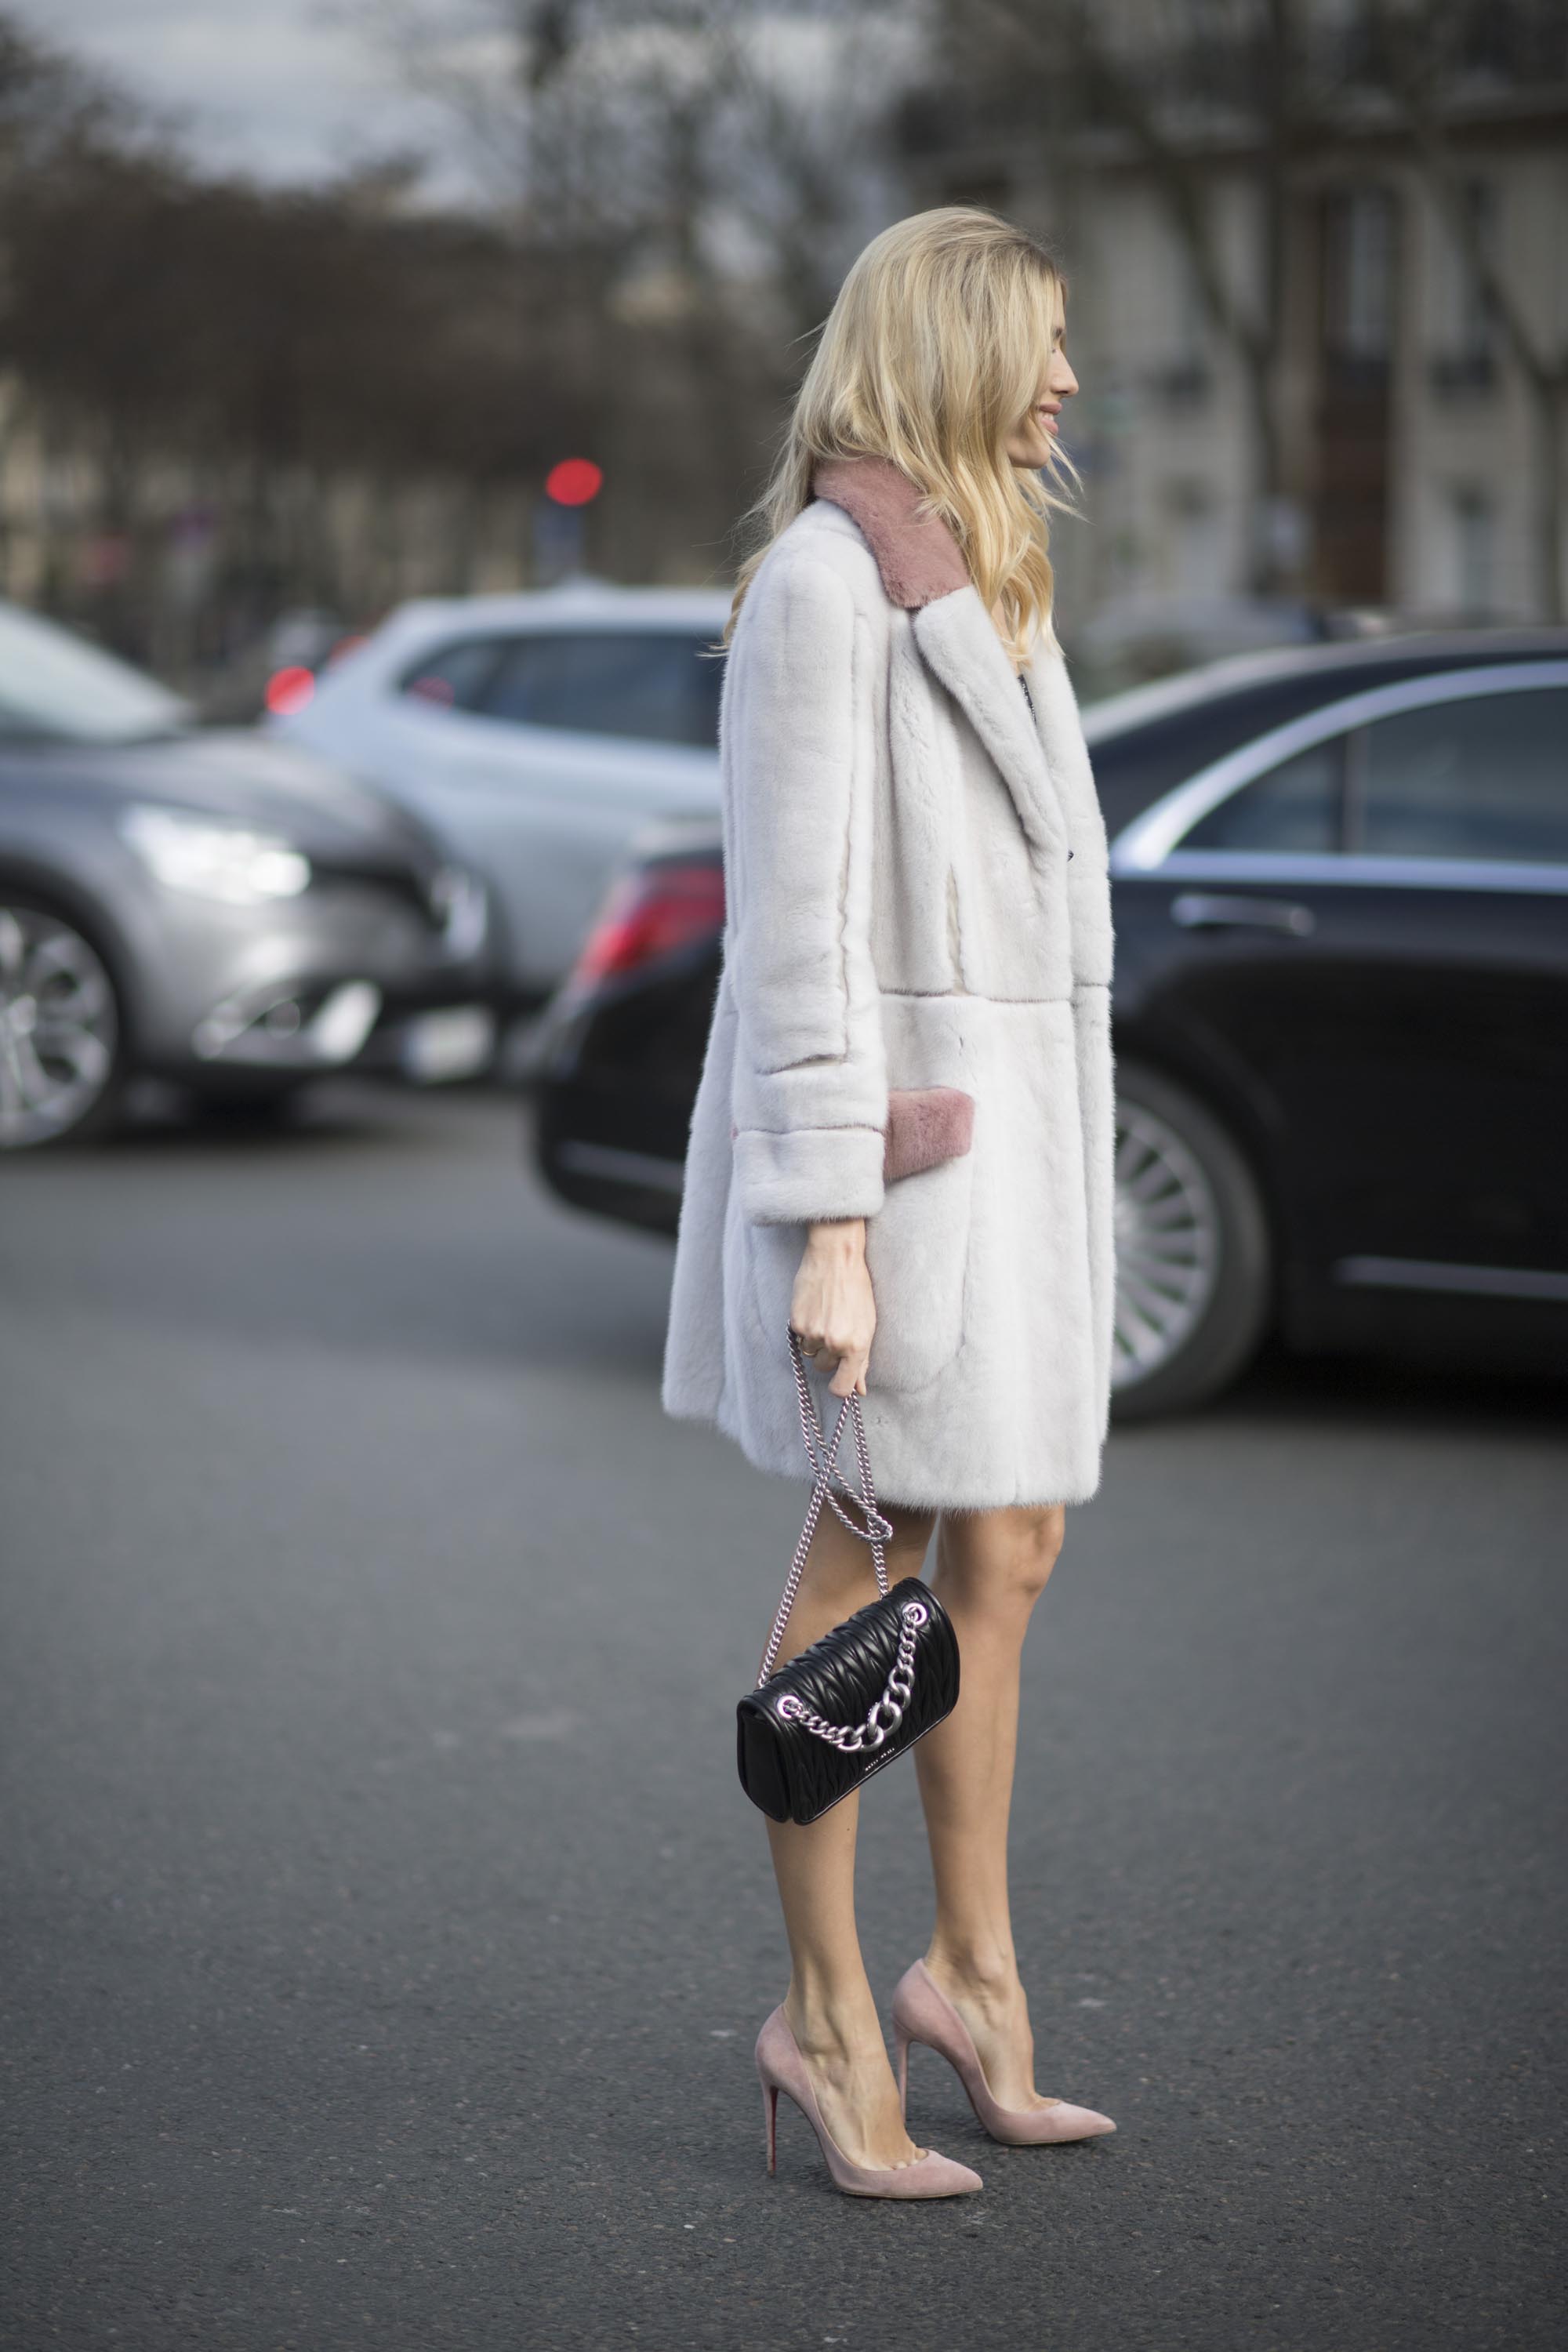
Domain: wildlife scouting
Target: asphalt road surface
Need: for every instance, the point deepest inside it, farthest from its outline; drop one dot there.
(386, 1933)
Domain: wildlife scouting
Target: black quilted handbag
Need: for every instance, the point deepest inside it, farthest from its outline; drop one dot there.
(841, 1710)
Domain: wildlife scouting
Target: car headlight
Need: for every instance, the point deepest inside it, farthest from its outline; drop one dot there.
(215, 860)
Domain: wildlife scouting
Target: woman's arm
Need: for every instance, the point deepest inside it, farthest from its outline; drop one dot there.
(810, 1105)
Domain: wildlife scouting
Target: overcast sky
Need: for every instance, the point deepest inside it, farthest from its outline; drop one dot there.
(276, 89)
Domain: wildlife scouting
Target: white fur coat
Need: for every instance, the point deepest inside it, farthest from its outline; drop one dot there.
(917, 898)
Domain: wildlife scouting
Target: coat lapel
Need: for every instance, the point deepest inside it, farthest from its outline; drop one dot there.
(923, 571)
(1067, 754)
(960, 645)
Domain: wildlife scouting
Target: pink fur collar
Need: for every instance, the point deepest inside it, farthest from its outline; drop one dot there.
(918, 556)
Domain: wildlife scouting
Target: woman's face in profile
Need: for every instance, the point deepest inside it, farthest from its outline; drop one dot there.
(1029, 443)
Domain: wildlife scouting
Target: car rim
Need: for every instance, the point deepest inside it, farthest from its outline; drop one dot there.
(57, 1027)
(1167, 1245)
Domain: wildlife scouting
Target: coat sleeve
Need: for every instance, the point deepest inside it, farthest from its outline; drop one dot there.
(811, 1097)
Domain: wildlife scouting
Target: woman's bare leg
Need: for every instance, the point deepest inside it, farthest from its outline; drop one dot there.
(991, 1568)
(829, 2003)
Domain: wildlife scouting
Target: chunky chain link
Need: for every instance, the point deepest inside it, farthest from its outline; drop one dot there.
(822, 1455)
(885, 1713)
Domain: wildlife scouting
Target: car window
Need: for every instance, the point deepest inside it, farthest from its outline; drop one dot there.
(655, 685)
(1293, 807)
(53, 686)
(450, 677)
(1485, 778)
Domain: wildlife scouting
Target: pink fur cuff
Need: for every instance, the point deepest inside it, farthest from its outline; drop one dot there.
(926, 1125)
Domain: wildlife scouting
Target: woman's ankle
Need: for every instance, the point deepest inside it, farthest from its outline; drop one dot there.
(835, 2023)
(984, 1971)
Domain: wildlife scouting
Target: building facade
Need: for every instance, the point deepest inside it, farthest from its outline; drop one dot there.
(1417, 455)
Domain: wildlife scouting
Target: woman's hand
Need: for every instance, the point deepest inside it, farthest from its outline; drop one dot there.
(832, 1308)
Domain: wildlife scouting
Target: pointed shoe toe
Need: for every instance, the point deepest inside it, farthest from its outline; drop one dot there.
(932, 2175)
(1039, 2126)
(1091, 2122)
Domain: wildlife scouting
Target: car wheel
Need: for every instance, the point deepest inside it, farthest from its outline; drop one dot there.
(62, 1059)
(1193, 1252)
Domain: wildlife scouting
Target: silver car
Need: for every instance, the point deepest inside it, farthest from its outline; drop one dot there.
(538, 734)
(206, 906)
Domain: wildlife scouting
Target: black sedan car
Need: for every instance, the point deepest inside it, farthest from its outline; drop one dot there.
(1340, 884)
(206, 906)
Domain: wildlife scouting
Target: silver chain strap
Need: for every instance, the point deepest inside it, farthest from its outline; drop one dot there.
(887, 1712)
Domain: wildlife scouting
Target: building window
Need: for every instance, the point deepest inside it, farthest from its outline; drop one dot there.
(1358, 284)
(1475, 534)
(982, 187)
(1180, 377)
(1466, 346)
(1193, 537)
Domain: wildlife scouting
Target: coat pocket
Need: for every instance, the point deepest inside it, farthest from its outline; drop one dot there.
(917, 1253)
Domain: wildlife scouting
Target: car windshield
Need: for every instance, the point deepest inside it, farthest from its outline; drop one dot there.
(54, 687)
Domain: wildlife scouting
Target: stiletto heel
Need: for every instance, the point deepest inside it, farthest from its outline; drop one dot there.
(923, 2013)
(782, 2067)
(771, 2122)
(903, 2048)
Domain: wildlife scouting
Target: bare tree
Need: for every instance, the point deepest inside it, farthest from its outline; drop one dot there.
(1187, 90)
(700, 172)
(1194, 93)
(1420, 45)
(201, 356)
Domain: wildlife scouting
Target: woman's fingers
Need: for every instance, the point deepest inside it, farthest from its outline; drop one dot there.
(829, 1345)
(851, 1372)
(847, 1363)
(833, 1309)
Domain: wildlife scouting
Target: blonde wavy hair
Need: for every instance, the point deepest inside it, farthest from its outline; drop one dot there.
(932, 356)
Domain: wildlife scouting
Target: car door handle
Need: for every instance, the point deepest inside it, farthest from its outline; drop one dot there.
(1206, 910)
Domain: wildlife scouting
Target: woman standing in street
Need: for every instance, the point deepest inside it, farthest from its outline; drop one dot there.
(901, 1146)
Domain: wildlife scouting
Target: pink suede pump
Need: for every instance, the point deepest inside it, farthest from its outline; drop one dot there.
(923, 2013)
(782, 2067)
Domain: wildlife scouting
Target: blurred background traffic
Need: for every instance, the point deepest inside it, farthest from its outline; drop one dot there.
(379, 388)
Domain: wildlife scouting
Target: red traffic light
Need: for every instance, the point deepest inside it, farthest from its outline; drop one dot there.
(574, 482)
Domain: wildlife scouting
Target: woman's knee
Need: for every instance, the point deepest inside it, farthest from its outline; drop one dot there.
(1003, 1558)
(1033, 1543)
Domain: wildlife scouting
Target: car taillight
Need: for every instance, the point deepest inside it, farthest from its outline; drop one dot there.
(650, 913)
(288, 689)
